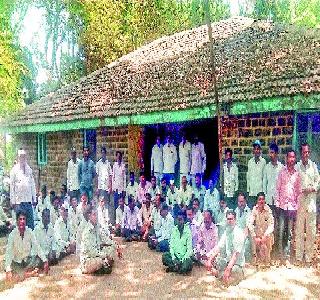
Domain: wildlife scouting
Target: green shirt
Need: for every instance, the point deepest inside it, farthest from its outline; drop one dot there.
(181, 245)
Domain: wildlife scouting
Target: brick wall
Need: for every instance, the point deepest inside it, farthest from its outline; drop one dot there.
(239, 132)
(58, 149)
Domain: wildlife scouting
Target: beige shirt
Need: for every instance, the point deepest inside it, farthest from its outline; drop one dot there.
(255, 176)
(261, 223)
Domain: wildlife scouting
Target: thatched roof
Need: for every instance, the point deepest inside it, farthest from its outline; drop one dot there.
(255, 60)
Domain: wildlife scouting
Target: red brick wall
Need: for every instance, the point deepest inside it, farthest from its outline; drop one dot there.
(58, 149)
(239, 132)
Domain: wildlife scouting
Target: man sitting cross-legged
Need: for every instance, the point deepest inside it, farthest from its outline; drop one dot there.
(160, 241)
(64, 240)
(44, 234)
(23, 250)
(97, 253)
(179, 257)
(226, 260)
(207, 238)
(131, 225)
(261, 226)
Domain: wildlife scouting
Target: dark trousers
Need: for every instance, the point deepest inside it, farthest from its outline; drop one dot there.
(27, 208)
(178, 266)
(131, 234)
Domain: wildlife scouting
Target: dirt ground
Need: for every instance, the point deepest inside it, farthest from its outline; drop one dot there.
(140, 274)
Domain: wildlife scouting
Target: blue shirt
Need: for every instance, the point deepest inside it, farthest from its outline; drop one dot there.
(86, 173)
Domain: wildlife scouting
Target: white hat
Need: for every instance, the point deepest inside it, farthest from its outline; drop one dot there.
(21, 152)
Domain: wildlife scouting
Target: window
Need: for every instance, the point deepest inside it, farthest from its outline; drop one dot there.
(90, 140)
(42, 149)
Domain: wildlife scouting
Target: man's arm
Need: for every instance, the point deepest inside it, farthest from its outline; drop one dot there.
(227, 272)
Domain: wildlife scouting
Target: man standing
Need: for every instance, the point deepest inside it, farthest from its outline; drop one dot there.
(104, 175)
(118, 181)
(270, 176)
(73, 175)
(86, 173)
(230, 179)
(22, 188)
(307, 209)
(198, 159)
(157, 160)
(227, 259)
(288, 190)
(261, 226)
(185, 158)
(169, 160)
(179, 257)
(256, 167)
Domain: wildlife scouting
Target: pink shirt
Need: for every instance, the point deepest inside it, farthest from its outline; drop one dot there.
(207, 239)
(141, 191)
(288, 190)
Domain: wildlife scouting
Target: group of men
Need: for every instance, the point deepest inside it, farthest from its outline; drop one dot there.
(190, 224)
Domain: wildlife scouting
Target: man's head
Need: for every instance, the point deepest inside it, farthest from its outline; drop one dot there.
(74, 202)
(142, 178)
(261, 200)
(228, 155)
(183, 137)
(86, 152)
(198, 180)
(242, 200)
(222, 203)
(63, 189)
(195, 204)
(305, 152)
(164, 210)
(273, 152)
(256, 148)
(190, 213)
(119, 156)
(73, 153)
(291, 158)
(172, 186)
(84, 199)
(103, 153)
(184, 181)
(90, 214)
(157, 200)
(147, 201)
(158, 140)
(207, 218)
(46, 217)
(163, 183)
(169, 139)
(231, 218)
(64, 212)
(22, 157)
(131, 203)
(132, 177)
(121, 202)
(196, 140)
(56, 202)
(153, 181)
(181, 216)
(21, 220)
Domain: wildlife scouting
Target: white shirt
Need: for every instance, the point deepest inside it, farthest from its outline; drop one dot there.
(73, 175)
(185, 196)
(157, 159)
(132, 189)
(185, 157)
(309, 179)
(104, 171)
(119, 215)
(211, 200)
(119, 177)
(18, 248)
(243, 217)
(230, 177)
(166, 227)
(169, 158)
(22, 185)
(103, 217)
(62, 234)
(255, 176)
(198, 159)
(270, 175)
(45, 238)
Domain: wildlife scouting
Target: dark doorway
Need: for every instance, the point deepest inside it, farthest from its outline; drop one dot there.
(206, 131)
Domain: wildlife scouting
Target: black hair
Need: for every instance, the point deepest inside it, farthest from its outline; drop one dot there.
(274, 147)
